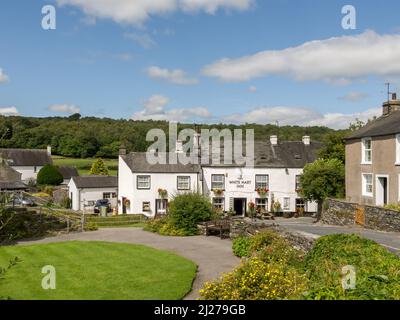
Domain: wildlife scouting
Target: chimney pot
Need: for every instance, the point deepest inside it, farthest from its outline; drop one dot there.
(274, 140)
(394, 96)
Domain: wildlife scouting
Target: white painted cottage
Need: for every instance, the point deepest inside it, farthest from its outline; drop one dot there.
(28, 162)
(276, 171)
(84, 191)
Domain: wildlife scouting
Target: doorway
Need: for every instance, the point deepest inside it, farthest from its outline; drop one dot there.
(239, 205)
(382, 190)
(161, 206)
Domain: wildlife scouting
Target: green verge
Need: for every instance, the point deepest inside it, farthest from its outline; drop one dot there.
(96, 271)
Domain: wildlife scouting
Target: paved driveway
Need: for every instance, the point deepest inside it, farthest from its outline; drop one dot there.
(212, 255)
(390, 240)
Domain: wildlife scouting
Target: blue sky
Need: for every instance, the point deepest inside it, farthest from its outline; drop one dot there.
(287, 61)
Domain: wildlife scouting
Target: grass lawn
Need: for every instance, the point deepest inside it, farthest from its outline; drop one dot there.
(84, 165)
(96, 271)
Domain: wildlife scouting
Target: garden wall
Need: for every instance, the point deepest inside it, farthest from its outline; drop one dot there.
(343, 213)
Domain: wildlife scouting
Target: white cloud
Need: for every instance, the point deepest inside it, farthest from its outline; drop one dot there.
(253, 89)
(3, 76)
(339, 60)
(300, 116)
(9, 111)
(354, 96)
(154, 109)
(123, 56)
(175, 76)
(64, 108)
(138, 11)
(143, 40)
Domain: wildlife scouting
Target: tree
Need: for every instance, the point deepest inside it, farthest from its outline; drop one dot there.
(49, 175)
(322, 179)
(99, 168)
(334, 146)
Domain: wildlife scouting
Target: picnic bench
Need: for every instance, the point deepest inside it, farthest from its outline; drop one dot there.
(220, 227)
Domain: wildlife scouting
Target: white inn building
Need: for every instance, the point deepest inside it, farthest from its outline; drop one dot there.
(146, 189)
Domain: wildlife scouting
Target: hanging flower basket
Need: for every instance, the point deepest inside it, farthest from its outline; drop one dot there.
(162, 193)
(218, 192)
(127, 202)
(262, 192)
(299, 190)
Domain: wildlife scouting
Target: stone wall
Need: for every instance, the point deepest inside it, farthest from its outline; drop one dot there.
(246, 227)
(342, 213)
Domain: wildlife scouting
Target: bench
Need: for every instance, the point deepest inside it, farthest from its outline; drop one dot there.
(218, 227)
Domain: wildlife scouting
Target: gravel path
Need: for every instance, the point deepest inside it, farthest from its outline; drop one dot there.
(212, 255)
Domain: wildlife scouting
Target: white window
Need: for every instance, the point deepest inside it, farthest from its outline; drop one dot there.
(218, 203)
(398, 149)
(146, 206)
(286, 204)
(366, 150)
(262, 205)
(262, 181)
(143, 182)
(218, 182)
(367, 184)
(183, 183)
(107, 195)
(298, 186)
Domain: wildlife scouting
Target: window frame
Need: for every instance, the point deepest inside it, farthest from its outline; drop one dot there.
(364, 184)
(286, 208)
(189, 183)
(297, 182)
(212, 181)
(365, 150)
(397, 141)
(143, 176)
(219, 206)
(257, 184)
(265, 206)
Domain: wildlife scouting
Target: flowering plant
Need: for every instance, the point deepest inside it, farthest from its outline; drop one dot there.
(262, 191)
(162, 193)
(127, 202)
(218, 192)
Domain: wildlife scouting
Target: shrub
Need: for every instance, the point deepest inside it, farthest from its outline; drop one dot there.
(377, 270)
(280, 250)
(241, 247)
(187, 210)
(257, 280)
(90, 226)
(164, 227)
(49, 175)
(394, 207)
(99, 168)
(262, 240)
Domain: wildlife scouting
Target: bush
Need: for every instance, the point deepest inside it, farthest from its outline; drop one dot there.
(49, 175)
(90, 226)
(394, 207)
(187, 210)
(163, 226)
(377, 270)
(257, 280)
(241, 247)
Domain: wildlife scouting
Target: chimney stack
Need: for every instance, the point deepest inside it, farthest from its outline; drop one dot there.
(391, 105)
(274, 140)
(122, 150)
(307, 140)
(49, 150)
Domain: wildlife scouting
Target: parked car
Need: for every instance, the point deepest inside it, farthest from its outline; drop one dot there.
(101, 204)
(23, 202)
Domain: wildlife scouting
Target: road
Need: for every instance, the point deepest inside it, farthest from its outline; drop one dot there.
(389, 240)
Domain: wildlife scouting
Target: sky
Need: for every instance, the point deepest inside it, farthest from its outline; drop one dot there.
(200, 61)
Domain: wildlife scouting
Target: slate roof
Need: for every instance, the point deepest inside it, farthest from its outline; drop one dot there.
(25, 157)
(18, 185)
(8, 174)
(95, 182)
(384, 125)
(68, 172)
(287, 154)
(137, 162)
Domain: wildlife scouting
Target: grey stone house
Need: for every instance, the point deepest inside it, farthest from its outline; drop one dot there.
(373, 159)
